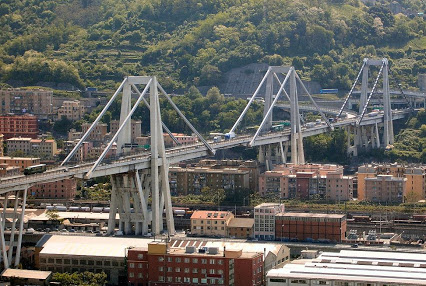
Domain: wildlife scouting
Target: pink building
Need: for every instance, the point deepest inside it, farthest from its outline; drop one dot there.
(308, 181)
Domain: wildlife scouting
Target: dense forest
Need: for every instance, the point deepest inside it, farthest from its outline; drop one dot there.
(187, 42)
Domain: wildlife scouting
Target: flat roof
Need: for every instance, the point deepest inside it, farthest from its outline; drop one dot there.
(75, 215)
(312, 215)
(372, 266)
(26, 274)
(94, 246)
(210, 215)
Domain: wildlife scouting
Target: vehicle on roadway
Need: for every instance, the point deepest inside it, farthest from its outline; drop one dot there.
(40, 168)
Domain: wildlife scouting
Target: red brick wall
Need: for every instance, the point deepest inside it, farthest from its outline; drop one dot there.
(63, 189)
(249, 271)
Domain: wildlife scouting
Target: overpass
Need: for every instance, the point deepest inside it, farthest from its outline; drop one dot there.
(139, 178)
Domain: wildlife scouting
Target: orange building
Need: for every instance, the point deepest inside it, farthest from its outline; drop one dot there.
(414, 185)
(210, 223)
(310, 226)
(20, 162)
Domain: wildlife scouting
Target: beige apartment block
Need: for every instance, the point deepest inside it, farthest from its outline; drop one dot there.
(72, 110)
(136, 128)
(264, 220)
(210, 223)
(19, 101)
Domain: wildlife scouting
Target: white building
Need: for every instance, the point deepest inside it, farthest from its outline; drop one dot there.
(353, 268)
(264, 220)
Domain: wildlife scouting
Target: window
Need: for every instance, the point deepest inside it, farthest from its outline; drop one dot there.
(277, 280)
(161, 268)
(194, 260)
(186, 279)
(169, 269)
(212, 271)
(194, 270)
(160, 258)
(131, 274)
(140, 256)
(140, 275)
(203, 281)
(169, 259)
(194, 280)
(220, 281)
(178, 279)
(186, 270)
(161, 278)
(186, 260)
(220, 271)
(203, 271)
(203, 261)
(178, 259)
(169, 279)
(132, 265)
(212, 261)
(177, 269)
(139, 265)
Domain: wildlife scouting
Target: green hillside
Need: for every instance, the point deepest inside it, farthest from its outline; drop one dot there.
(187, 42)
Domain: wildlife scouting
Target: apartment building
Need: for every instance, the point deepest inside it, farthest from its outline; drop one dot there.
(136, 129)
(8, 171)
(264, 220)
(63, 189)
(37, 147)
(19, 101)
(18, 126)
(307, 181)
(353, 268)
(413, 187)
(310, 226)
(20, 162)
(97, 136)
(191, 180)
(385, 189)
(210, 223)
(181, 138)
(161, 265)
(72, 110)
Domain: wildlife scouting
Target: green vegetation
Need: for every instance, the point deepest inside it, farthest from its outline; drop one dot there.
(327, 147)
(97, 42)
(84, 278)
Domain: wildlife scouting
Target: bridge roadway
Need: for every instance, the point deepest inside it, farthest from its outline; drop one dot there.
(174, 155)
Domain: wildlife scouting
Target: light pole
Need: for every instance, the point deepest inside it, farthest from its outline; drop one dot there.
(282, 232)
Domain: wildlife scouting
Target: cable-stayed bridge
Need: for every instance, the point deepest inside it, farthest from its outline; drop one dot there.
(140, 187)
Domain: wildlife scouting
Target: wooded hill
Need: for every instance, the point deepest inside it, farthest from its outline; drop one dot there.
(188, 42)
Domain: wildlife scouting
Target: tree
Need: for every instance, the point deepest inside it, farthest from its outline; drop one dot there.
(52, 215)
(85, 278)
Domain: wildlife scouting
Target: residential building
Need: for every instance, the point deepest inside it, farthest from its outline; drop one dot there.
(353, 268)
(20, 162)
(72, 110)
(136, 127)
(8, 171)
(97, 136)
(18, 144)
(19, 101)
(18, 126)
(82, 153)
(160, 265)
(63, 189)
(74, 135)
(241, 228)
(310, 226)
(44, 148)
(1, 144)
(181, 138)
(274, 254)
(264, 220)
(68, 253)
(191, 180)
(307, 181)
(413, 188)
(38, 147)
(385, 189)
(210, 223)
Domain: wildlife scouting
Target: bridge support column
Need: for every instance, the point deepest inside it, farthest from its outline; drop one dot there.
(297, 153)
(388, 136)
(364, 86)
